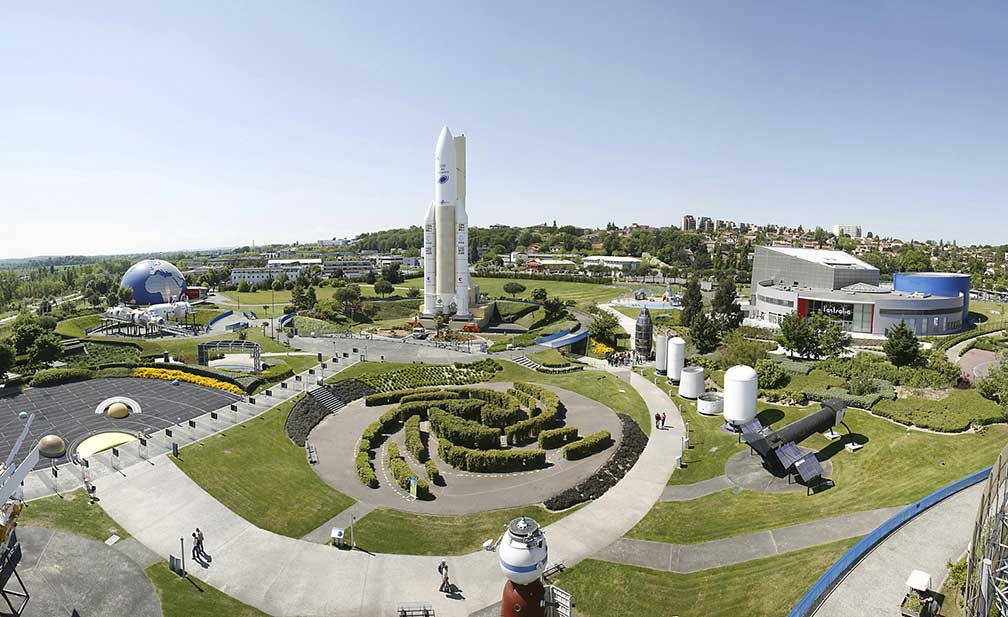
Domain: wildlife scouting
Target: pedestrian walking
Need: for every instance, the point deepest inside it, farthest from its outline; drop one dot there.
(443, 571)
(196, 556)
(663, 419)
(657, 420)
(199, 542)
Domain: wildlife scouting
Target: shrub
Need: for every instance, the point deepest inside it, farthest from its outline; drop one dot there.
(860, 385)
(501, 417)
(883, 390)
(611, 472)
(432, 395)
(557, 437)
(56, 376)
(303, 417)
(463, 432)
(524, 431)
(489, 461)
(785, 396)
(771, 374)
(413, 441)
(432, 472)
(596, 442)
(180, 375)
(421, 375)
(365, 472)
(402, 472)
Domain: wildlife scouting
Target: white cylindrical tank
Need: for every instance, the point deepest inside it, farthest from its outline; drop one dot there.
(522, 551)
(661, 351)
(741, 387)
(710, 403)
(691, 382)
(676, 357)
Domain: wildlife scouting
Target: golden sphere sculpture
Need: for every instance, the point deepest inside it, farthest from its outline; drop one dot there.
(52, 446)
(117, 411)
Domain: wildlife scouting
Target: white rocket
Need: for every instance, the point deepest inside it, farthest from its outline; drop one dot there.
(446, 232)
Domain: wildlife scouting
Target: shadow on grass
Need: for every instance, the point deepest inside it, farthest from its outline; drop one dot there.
(770, 416)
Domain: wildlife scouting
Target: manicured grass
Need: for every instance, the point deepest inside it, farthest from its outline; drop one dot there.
(896, 467)
(76, 327)
(257, 472)
(584, 294)
(191, 597)
(72, 512)
(549, 357)
(634, 312)
(956, 412)
(320, 327)
(393, 531)
(185, 349)
(297, 362)
(818, 379)
(760, 588)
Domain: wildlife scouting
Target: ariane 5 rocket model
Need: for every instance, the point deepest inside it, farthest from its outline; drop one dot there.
(446, 233)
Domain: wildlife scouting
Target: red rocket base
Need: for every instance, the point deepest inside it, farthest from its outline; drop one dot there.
(523, 600)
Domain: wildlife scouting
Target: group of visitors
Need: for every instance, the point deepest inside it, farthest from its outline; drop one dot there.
(659, 420)
(621, 358)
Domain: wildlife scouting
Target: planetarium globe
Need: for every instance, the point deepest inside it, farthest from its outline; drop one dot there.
(154, 281)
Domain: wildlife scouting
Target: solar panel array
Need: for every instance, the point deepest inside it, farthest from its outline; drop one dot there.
(808, 468)
(788, 454)
(753, 426)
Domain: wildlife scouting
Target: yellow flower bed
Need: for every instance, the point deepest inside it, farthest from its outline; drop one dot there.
(599, 348)
(172, 375)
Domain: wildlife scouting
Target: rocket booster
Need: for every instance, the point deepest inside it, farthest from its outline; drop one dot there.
(429, 263)
(446, 232)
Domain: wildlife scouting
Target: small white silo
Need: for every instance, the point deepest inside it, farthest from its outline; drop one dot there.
(661, 354)
(741, 387)
(675, 358)
(691, 382)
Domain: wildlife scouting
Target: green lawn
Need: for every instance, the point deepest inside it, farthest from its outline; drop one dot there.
(549, 357)
(191, 597)
(72, 512)
(897, 466)
(818, 379)
(955, 412)
(393, 531)
(256, 471)
(584, 294)
(307, 326)
(759, 588)
(76, 327)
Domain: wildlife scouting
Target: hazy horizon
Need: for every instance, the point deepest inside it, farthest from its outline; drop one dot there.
(149, 129)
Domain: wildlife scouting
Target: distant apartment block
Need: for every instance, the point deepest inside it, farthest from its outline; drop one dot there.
(854, 231)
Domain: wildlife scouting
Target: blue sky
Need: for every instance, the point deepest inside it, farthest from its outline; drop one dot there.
(130, 127)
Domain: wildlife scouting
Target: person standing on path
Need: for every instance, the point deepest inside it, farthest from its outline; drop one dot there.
(196, 555)
(657, 419)
(443, 571)
(199, 542)
(663, 419)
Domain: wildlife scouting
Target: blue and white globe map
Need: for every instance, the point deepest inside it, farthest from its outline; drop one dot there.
(154, 281)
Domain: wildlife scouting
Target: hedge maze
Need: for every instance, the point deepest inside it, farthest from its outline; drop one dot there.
(477, 430)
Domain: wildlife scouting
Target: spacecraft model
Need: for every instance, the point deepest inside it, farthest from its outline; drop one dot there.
(779, 448)
(154, 314)
(523, 552)
(446, 233)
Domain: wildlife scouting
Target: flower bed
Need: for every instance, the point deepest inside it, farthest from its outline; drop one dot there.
(172, 375)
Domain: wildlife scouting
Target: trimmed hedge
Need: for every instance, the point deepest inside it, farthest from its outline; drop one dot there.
(56, 376)
(402, 472)
(433, 395)
(303, 417)
(414, 443)
(596, 442)
(421, 375)
(489, 461)
(365, 472)
(883, 390)
(395, 396)
(432, 472)
(525, 431)
(501, 417)
(611, 472)
(557, 437)
(463, 432)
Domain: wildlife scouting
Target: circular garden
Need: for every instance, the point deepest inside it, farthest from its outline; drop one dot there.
(453, 450)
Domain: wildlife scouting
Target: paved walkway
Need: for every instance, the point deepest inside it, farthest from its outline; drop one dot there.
(158, 504)
(877, 584)
(687, 558)
(686, 492)
(953, 352)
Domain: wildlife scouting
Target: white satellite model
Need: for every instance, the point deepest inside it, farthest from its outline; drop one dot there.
(153, 314)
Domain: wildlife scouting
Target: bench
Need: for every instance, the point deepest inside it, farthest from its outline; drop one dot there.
(853, 447)
(312, 453)
(556, 568)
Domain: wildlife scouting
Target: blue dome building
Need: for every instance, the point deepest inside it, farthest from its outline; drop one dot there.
(154, 281)
(947, 284)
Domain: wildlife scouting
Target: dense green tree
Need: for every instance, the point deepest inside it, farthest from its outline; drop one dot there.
(554, 308)
(7, 356)
(243, 286)
(298, 297)
(539, 295)
(604, 327)
(901, 345)
(725, 309)
(833, 341)
(349, 299)
(45, 349)
(794, 334)
(391, 273)
(692, 302)
(737, 349)
(26, 329)
(704, 333)
(513, 288)
(412, 292)
(383, 287)
(310, 298)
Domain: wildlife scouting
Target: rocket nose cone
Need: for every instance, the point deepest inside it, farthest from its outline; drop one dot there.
(444, 139)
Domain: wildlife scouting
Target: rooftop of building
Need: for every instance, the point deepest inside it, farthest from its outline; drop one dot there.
(851, 293)
(824, 257)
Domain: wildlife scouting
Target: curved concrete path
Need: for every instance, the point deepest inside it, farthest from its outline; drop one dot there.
(158, 504)
(686, 492)
(876, 585)
(687, 558)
